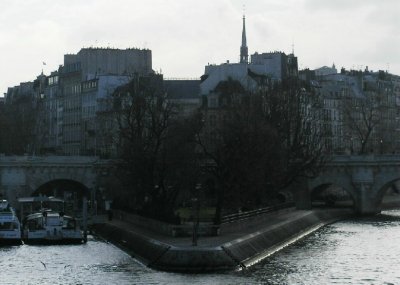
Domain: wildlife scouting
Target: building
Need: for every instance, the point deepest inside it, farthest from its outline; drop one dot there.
(52, 128)
(395, 79)
(72, 107)
(87, 77)
(95, 91)
(24, 89)
(20, 109)
(276, 66)
(184, 93)
(63, 106)
(359, 111)
(92, 62)
(325, 70)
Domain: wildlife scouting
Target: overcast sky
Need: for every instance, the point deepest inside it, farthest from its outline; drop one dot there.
(185, 35)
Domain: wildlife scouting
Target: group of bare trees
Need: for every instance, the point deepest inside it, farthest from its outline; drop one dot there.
(362, 117)
(244, 151)
(156, 148)
(260, 143)
(266, 141)
(17, 122)
(369, 121)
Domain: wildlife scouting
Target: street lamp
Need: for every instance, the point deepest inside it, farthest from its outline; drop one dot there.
(352, 146)
(196, 219)
(362, 147)
(381, 146)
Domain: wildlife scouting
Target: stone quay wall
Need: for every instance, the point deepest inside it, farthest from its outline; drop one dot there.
(235, 254)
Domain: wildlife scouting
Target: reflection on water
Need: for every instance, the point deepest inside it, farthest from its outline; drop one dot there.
(359, 251)
(96, 262)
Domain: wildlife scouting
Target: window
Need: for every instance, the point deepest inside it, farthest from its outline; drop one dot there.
(213, 103)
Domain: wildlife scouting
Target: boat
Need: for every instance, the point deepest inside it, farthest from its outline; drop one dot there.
(49, 225)
(10, 228)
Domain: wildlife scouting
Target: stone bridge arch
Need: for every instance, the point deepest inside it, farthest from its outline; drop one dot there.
(58, 187)
(331, 194)
(21, 176)
(365, 177)
(333, 176)
(337, 177)
(39, 178)
(71, 191)
(384, 179)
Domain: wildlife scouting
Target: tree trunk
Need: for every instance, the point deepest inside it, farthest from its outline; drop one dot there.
(219, 205)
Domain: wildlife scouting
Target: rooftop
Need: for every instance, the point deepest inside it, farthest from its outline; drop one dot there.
(183, 88)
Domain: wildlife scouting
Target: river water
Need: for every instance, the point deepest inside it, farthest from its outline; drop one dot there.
(359, 251)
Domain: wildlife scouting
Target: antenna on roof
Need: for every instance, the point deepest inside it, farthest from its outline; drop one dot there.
(292, 46)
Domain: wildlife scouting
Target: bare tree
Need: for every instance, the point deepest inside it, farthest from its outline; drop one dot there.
(263, 142)
(17, 125)
(293, 109)
(157, 149)
(363, 116)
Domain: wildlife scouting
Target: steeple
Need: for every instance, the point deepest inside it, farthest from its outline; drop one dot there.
(244, 55)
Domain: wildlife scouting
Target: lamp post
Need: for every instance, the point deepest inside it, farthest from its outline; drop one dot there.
(352, 146)
(381, 146)
(196, 218)
(362, 147)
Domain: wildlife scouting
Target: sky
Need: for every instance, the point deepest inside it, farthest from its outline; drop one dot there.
(186, 35)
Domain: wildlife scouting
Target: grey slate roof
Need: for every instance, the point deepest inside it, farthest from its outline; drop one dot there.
(182, 89)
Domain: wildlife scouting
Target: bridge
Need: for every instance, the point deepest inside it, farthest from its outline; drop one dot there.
(365, 178)
(24, 176)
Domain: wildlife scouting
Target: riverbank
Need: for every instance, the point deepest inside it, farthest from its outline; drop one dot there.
(238, 246)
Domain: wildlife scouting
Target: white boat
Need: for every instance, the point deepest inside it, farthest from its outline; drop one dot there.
(49, 225)
(10, 228)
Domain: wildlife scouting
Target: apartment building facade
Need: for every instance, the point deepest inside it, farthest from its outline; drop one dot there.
(66, 101)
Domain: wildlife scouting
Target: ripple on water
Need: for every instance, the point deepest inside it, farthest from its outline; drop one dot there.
(358, 251)
(96, 262)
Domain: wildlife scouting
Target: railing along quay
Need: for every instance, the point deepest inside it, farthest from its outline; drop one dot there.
(249, 214)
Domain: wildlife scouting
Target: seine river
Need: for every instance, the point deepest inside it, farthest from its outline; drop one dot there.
(359, 251)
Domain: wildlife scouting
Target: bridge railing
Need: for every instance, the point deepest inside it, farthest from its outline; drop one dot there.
(249, 214)
(365, 158)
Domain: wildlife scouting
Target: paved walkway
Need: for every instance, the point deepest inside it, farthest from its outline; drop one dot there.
(240, 230)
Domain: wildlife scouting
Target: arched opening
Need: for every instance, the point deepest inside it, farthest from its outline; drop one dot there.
(389, 195)
(72, 192)
(331, 195)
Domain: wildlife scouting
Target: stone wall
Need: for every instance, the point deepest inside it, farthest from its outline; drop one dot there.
(238, 253)
(254, 247)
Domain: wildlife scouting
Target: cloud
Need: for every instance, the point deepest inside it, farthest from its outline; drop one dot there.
(186, 35)
(340, 5)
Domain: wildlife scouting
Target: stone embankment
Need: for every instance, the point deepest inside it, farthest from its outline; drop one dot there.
(232, 249)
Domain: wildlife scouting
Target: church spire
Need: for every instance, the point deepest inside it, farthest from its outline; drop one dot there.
(244, 56)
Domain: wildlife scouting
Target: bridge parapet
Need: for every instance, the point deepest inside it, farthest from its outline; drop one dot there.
(37, 160)
(365, 159)
(22, 175)
(365, 177)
